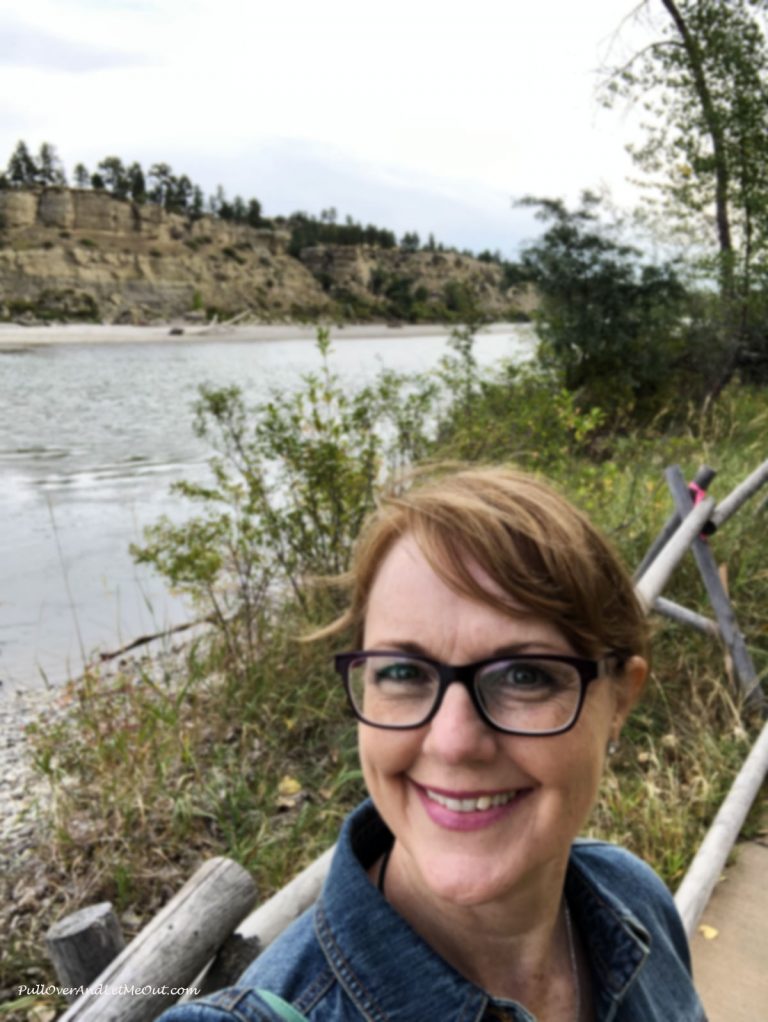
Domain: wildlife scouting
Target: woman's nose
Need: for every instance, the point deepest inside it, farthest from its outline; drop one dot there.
(457, 732)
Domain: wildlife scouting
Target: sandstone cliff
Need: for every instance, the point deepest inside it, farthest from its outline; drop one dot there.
(80, 254)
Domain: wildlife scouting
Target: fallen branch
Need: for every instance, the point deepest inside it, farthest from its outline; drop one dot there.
(143, 640)
(214, 327)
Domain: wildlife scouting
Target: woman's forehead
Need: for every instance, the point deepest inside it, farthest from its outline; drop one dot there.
(407, 558)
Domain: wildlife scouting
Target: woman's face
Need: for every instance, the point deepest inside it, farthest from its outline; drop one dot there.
(544, 788)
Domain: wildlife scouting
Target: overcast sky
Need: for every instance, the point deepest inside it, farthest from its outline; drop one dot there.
(430, 115)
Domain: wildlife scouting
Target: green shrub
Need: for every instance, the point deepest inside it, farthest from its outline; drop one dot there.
(612, 326)
(291, 485)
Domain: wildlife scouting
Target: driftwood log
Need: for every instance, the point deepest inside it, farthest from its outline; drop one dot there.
(163, 959)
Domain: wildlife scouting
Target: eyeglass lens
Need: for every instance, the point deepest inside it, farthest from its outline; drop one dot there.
(524, 695)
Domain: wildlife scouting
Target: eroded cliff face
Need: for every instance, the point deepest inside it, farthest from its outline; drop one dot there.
(69, 253)
(78, 254)
(432, 284)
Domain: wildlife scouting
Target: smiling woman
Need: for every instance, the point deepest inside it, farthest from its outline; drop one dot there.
(499, 650)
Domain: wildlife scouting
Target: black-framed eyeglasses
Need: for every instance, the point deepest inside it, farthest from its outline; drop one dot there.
(526, 694)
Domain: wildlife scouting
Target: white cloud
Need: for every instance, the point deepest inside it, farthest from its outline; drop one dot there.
(22, 45)
(471, 104)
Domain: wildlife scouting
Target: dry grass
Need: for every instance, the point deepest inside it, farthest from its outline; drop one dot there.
(159, 765)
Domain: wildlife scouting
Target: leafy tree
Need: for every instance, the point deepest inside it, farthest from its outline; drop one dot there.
(97, 182)
(179, 195)
(609, 324)
(163, 183)
(704, 81)
(114, 176)
(410, 242)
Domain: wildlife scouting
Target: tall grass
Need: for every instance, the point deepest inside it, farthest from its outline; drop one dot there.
(241, 744)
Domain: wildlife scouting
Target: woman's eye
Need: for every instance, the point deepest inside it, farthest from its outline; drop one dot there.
(400, 670)
(526, 676)
(521, 677)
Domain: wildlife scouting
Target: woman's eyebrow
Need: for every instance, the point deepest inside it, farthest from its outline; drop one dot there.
(508, 649)
(529, 648)
(402, 645)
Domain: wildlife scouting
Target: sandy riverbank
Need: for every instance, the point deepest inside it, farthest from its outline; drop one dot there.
(14, 336)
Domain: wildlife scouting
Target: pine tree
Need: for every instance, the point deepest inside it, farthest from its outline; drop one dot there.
(50, 170)
(22, 169)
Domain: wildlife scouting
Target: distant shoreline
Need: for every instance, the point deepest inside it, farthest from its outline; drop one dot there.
(13, 336)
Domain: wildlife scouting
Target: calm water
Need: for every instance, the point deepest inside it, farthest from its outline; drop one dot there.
(92, 436)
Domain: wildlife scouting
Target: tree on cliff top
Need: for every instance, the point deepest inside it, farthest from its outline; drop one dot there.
(704, 83)
(24, 171)
(114, 176)
(50, 170)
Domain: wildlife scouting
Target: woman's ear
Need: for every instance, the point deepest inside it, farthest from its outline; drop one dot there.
(629, 687)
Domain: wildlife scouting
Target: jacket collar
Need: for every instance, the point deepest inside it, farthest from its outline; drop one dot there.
(619, 944)
(364, 940)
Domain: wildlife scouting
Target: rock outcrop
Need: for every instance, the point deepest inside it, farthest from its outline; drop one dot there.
(70, 253)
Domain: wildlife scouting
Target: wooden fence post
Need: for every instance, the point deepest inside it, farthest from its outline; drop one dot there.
(152, 972)
(656, 576)
(702, 479)
(271, 918)
(731, 504)
(699, 881)
(685, 616)
(82, 944)
(726, 619)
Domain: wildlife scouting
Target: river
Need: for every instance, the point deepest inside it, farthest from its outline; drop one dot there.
(91, 437)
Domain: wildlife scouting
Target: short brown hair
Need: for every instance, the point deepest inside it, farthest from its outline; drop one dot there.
(539, 550)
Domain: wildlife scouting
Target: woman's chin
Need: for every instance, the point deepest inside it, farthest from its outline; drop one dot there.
(463, 884)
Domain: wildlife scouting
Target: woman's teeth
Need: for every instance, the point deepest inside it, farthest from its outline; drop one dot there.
(471, 805)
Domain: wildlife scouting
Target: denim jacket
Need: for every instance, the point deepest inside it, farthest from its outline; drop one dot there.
(352, 958)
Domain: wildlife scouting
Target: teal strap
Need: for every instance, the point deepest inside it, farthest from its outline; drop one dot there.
(283, 1008)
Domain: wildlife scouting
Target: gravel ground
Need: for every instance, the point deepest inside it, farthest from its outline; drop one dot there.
(19, 786)
(27, 895)
(30, 890)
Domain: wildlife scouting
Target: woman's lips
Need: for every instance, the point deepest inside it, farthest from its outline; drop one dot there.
(468, 810)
